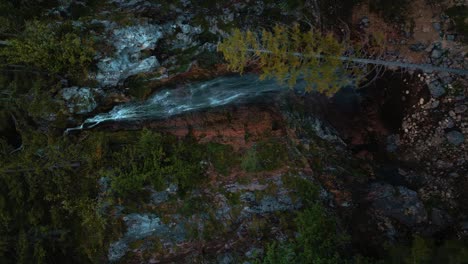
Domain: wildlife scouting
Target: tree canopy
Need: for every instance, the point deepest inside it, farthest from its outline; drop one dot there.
(287, 53)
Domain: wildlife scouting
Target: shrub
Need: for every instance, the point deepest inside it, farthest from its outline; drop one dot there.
(41, 46)
(318, 241)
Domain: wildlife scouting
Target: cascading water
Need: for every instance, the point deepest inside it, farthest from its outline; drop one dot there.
(165, 103)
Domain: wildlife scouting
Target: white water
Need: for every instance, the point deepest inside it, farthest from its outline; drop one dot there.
(209, 94)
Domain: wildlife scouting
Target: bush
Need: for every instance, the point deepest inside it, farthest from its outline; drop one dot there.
(156, 160)
(222, 157)
(265, 156)
(318, 241)
(42, 47)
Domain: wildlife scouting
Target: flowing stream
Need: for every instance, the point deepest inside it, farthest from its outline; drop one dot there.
(193, 97)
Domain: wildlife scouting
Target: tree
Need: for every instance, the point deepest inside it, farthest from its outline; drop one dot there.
(325, 62)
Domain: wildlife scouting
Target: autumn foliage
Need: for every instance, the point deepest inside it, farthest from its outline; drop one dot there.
(287, 54)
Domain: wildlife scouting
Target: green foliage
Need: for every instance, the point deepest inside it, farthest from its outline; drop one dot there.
(304, 189)
(155, 161)
(222, 157)
(14, 13)
(42, 46)
(48, 211)
(280, 254)
(265, 156)
(426, 251)
(250, 161)
(288, 53)
(318, 241)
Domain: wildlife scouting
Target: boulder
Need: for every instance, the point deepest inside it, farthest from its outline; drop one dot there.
(129, 42)
(455, 138)
(79, 100)
(397, 203)
(436, 89)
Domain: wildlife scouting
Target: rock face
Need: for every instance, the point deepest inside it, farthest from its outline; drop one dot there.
(129, 42)
(221, 127)
(140, 226)
(398, 203)
(79, 100)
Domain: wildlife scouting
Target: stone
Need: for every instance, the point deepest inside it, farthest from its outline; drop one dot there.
(459, 109)
(448, 123)
(418, 47)
(392, 143)
(398, 203)
(436, 53)
(140, 226)
(127, 61)
(436, 89)
(439, 217)
(437, 27)
(450, 37)
(79, 100)
(455, 138)
(364, 23)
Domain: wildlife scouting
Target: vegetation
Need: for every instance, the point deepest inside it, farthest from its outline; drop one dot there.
(459, 15)
(288, 53)
(423, 250)
(266, 155)
(319, 239)
(44, 47)
(156, 161)
(48, 207)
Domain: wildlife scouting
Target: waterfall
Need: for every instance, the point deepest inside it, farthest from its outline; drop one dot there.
(193, 97)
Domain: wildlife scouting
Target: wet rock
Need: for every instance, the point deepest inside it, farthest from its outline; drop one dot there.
(398, 203)
(455, 138)
(79, 100)
(436, 89)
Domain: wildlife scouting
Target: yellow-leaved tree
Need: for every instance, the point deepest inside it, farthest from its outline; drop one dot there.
(286, 53)
(323, 61)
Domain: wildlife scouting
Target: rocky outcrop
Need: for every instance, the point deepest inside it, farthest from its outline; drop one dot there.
(80, 100)
(129, 42)
(398, 203)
